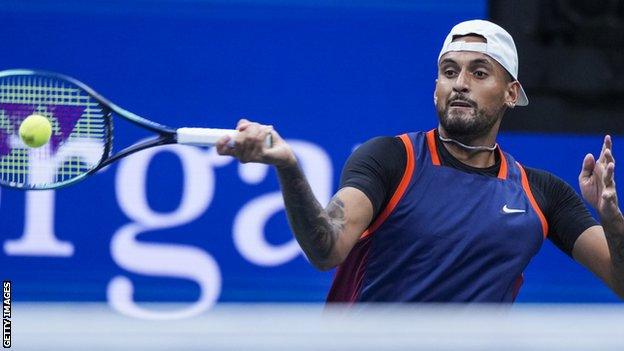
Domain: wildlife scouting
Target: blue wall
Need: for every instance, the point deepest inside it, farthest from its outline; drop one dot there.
(329, 75)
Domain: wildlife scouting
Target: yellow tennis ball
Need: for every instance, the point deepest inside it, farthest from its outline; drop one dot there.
(35, 130)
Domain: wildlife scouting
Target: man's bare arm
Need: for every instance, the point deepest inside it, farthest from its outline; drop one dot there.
(594, 252)
(326, 235)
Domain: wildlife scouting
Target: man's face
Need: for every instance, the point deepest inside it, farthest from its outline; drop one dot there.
(471, 94)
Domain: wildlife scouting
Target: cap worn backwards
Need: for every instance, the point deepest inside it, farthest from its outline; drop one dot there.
(499, 45)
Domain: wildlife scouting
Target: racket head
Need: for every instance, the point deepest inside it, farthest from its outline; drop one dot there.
(81, 130)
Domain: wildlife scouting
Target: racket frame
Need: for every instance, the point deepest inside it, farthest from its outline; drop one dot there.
(164, 134)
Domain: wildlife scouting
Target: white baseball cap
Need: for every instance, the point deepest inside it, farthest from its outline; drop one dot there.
(499, 45)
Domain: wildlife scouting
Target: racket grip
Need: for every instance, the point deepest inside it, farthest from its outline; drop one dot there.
(209, 136)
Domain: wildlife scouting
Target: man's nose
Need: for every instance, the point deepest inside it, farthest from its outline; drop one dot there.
(462, 83)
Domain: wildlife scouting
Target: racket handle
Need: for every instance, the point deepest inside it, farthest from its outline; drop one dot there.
(209, 136)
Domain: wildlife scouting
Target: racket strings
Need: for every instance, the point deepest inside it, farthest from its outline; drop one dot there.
(79, 131)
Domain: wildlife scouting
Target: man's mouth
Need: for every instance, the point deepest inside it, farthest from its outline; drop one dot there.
(460, 103)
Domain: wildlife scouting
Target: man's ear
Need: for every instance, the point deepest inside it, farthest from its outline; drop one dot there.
(512, 93)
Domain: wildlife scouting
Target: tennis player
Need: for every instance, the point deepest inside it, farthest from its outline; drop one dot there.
(446, 215)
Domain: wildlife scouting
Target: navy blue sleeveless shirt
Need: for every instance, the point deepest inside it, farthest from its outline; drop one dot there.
(445, 235)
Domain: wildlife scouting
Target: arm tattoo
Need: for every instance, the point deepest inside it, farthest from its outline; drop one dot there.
(615, 240)
(316, 229)
(336, 214)
(617, 249)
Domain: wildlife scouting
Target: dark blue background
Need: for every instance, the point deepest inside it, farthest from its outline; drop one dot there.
(331, 73)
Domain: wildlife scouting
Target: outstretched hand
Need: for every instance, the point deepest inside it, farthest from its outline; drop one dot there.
(250, 146)
(597, 182)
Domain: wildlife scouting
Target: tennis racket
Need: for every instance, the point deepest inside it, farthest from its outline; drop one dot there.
(82, 131)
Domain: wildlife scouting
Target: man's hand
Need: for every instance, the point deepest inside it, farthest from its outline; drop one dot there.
(249, 145)
(601, 248)
(325, 235)
(597, 182)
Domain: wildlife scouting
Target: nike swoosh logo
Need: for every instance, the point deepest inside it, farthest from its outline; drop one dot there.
(512, 210)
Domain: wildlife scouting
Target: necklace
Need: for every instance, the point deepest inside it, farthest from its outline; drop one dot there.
(468, 147)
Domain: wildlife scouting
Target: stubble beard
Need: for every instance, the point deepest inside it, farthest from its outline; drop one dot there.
(467, 126)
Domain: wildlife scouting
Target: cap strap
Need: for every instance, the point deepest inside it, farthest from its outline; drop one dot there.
(464, 46)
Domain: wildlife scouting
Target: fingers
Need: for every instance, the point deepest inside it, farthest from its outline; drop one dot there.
(609, 193)
(608, 156)
(224, 147)
(588, 167)
(609, 163)
(249, 145)
(609, 207)
(255, 142)
(606, 145)
(242, 124)
(243, 144)
(608, 177)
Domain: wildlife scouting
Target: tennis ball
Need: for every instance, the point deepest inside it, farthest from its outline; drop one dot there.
(35, 130)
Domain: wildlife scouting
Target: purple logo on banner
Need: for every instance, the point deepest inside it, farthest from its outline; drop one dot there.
(67, 117)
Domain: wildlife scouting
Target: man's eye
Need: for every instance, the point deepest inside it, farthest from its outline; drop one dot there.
(449, 73)
(480, 74)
